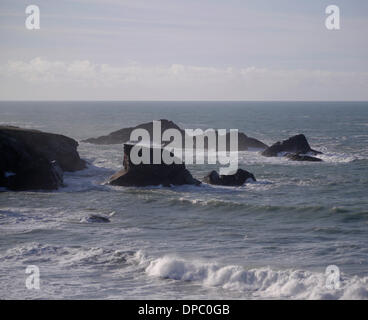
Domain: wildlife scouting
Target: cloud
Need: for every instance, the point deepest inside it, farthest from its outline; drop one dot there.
(40, 78)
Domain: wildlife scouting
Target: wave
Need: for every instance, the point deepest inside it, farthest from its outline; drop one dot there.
(258, 282)
(91, 178)
(35, 252)
(338, 158)
(252, 158)
(255, 283)
(20, 220)
(228, 204)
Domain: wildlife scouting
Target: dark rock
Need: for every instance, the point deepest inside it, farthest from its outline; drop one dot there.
(123, 135)
(40, 174)
(299, 157)
(47, 145)
(140, 175)
(31, 159)
(297, 145)
(239, 178)
(96, 218)
(244, 142)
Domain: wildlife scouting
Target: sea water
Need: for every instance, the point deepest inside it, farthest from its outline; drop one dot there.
(273, 238)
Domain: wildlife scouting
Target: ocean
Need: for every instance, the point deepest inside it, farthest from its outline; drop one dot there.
(271, 239)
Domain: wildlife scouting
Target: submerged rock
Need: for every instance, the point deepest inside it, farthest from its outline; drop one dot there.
(140, 175)
(297, 145)
(95, 219)
(31, 159)
(302, 157)
(239, 178)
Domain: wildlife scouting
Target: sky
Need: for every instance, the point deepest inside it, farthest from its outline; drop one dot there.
(184, 50)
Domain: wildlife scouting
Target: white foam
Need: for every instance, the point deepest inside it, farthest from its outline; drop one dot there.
(90, 178)
(87, 257)
(258, 282)
(250, 158)
(95, 219)
(331, 157)
(209, 202)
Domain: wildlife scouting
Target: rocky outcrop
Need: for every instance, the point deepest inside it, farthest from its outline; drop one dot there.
(244, 142)
(238, 179)
(299, 157)
(140, 175)
(123, 135)
(296, 145)
(31, 159)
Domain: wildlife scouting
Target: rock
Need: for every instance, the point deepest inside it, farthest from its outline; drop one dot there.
(32, 159)
(123, 135)
(47, 145)
(300, 157)
(40, 174)
(239, 178)
(96, 219)
(244, 142)
(297, 145)
(140, 175)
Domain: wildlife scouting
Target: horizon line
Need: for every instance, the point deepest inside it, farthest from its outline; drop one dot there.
(189, 100)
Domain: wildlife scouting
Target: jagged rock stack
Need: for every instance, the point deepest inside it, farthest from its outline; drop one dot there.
(151, 174)
(295, 148)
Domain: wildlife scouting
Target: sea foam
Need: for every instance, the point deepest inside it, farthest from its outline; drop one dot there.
(261, 282)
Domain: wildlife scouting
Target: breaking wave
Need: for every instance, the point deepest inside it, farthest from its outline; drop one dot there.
(258, 282)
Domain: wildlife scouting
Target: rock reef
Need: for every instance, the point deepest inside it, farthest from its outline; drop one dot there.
(33, 160)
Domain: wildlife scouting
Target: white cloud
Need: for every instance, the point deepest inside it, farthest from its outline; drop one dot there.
(40, 78)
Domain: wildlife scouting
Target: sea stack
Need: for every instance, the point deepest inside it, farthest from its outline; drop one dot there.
(296, 145)
(150, 174)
